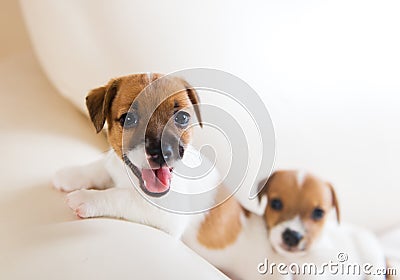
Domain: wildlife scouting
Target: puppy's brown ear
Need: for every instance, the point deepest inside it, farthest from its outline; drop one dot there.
(195, 100)
(98, 102)
(264, 188)
(335, 202)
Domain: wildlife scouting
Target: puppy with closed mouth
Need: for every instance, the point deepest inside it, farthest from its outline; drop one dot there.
(301, 231)
(293, 229)
(149, 126)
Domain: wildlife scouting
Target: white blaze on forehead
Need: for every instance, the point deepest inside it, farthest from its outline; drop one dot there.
(295, 224)
(301, 177)
(149, 77)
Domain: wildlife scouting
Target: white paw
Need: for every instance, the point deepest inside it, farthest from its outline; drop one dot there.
(82, 202)
(70, 179)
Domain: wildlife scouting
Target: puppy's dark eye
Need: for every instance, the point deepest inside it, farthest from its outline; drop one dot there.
(276, 204)
(129, 120)
(317, 214)
(182, 119)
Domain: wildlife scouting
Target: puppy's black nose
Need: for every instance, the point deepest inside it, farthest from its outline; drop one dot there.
(167, 152)
(291, 238)
(158, 154)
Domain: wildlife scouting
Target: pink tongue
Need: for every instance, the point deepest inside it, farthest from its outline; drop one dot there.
(157, 180)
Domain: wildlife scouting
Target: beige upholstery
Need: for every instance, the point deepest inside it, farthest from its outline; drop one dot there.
(40, 238)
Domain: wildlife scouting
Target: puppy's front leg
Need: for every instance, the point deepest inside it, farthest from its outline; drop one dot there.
(92, 175)
(124, 203)
(114, 202)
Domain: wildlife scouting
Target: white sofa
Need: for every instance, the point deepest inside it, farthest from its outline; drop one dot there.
(40, 238)
(341, 124)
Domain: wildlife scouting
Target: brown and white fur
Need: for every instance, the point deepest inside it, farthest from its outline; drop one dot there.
(293, 229)
(232, 239)
(148, 135)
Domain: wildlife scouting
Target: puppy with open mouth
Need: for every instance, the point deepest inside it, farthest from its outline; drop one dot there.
(149, 125)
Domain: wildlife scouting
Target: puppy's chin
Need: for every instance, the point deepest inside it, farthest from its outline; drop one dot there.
(154, 180)
(289, 252)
